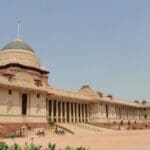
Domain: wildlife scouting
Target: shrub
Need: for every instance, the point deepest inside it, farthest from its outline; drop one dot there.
(8, 135)
(3, 146)
(32, 147)
(51, 146)
(50, 122)
(80, 148)
(69, 148)
(15, 147)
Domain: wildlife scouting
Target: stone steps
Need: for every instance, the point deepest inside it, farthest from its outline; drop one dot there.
(82, 128)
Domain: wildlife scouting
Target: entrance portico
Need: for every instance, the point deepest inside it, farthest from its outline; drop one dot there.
(67, 112)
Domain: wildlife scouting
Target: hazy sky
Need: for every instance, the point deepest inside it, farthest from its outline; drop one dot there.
(103, 43)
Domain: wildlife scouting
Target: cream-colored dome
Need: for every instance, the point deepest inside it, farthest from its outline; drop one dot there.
(19, 52)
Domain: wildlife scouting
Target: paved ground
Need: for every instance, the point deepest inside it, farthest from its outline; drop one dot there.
(116, 140)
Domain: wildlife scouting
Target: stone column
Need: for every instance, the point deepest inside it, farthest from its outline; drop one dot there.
(138, 114)
(129, 110)
(134, 113)
(72, 109)
(116, 108)
(61, 112)
(56, 111)
(65, 111)
(122, 111)
(77, 112)
(74, 112)
(88, 113)
(81, 113)
(70, 116)
(116, 111)
(129, 113)
(84, 113)
(109, 110)
(47, 108)
(52, 110)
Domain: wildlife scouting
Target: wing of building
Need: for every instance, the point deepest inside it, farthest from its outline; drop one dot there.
(27, 98)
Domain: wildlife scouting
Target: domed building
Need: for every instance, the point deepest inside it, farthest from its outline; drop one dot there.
(23, 83)
(27, 98)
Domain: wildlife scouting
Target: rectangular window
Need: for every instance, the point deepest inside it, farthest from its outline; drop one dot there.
(38, 82)
(38, 95)
(9, 92)
(24, 104)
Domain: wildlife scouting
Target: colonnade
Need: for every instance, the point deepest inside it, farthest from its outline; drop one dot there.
(116, 112)
(127, 113)
(67, 112)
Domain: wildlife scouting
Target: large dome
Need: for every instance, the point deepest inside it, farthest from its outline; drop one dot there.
(19, 52)
(17, 44)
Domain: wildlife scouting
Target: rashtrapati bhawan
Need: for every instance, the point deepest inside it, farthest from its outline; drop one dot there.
(26, 97)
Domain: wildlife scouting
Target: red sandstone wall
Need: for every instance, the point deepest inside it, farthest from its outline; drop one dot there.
(10, 127)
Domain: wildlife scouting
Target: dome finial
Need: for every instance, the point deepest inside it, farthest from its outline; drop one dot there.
(18, 31)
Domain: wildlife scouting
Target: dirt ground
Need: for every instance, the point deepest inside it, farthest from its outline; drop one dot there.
(116, 140)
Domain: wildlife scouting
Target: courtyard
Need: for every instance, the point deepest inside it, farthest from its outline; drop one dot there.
(116, 140)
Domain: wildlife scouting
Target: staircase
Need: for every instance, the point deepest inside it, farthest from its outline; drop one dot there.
(82, 128)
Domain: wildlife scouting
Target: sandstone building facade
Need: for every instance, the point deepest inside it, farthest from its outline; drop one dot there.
(27, 98)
